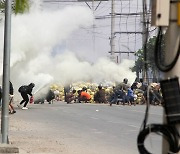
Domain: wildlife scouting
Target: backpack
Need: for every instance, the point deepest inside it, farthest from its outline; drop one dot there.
(22, 89)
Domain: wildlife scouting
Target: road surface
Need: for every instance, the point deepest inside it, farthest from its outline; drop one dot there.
(82, 128)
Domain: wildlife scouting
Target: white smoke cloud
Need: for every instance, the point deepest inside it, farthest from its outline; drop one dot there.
(34, 36)
(39, 32)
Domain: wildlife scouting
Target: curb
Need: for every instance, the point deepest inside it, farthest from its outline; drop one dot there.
(6, 148)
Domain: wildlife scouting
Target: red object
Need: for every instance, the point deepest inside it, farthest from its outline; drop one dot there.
(85, 95)
(31, 100)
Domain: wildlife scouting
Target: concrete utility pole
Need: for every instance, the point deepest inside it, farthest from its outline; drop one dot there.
(93, 28)
(6, 73)
(144, 40)
(172, 41)
(112, 39)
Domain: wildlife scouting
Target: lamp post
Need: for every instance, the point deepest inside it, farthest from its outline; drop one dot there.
(6, 73)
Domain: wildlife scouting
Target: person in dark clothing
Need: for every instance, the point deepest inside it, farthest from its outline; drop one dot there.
(156, 95)
(117, 96)
(71, 97)
(25, 90)
(67, 89)
(79, 95)
(122, 85)
(119, 93)
(50, 96)
(143, 86)
(11, 95)
(100, 96)
(134, 85)
(0, 96)
(11, 89)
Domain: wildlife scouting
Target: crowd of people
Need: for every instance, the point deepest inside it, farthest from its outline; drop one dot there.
(25, 91)
(122, 93)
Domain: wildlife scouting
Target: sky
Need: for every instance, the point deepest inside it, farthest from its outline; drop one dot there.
(41, 51)
(97, 37)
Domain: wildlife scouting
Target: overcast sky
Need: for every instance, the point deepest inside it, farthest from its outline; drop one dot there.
(54, 44)
(95, 41)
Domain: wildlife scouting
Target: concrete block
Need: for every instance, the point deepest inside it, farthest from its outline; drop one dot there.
(7, 148)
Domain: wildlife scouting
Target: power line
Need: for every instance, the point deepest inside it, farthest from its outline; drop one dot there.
(122, 52)
(128, 32)
(56, 1)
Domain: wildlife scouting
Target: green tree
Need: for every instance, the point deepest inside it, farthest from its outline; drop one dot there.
(139, 63)
(18, 6)
(21, 6)
(151, 59)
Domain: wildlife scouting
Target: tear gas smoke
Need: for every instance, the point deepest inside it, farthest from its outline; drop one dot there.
(34, 36)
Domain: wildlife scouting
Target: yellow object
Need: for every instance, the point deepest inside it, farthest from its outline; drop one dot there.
(178, 13)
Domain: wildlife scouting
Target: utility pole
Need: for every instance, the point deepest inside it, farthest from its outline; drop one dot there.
(172, 41)
(93, 28)
(6, 73)
(112, 39)
(144, 40)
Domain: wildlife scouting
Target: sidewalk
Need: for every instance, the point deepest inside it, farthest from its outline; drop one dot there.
(30, 137)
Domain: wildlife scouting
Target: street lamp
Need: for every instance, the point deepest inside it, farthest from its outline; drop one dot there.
(6, 73)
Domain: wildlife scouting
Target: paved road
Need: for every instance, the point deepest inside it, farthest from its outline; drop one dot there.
(96, 128)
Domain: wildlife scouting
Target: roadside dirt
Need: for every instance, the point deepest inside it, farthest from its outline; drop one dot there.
(29, 138)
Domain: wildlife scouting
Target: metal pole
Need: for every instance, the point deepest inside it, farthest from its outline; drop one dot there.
(172, 41)
(93, 29)
(6, 73)
(144, 40)
(112, 40)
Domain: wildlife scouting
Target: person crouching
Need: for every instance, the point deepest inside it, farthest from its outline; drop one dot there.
(84, 96)
(70, 97)
(25, 91)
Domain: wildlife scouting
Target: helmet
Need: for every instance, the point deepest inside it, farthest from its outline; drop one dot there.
(31, 84)
(125, 80)
(84, 88)
(99, 87)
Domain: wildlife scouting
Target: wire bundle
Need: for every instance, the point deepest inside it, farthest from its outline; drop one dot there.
(169, 133)
(158, 52)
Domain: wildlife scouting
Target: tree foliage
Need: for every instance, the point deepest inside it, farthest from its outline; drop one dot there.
(18, 6)
(21, 6)
(139, 63)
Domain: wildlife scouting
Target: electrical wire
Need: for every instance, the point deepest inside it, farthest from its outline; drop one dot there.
(158, 54)
(143, 126)
(169, 132)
